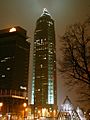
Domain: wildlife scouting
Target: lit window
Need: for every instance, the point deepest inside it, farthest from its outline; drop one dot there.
(45, 58)
(12, 29)
(38, 89)
(38, 30)
(3, 76)
(49, 24)
(8, 68)
(41, 41)
(38, 77)
(3, 60)
(23, 88)
(41, 65)
(7, 58)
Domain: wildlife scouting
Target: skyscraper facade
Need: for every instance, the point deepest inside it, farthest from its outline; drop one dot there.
(44, 83)
(14, 62)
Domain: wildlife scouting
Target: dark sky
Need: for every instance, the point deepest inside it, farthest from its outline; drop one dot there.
(25, 13)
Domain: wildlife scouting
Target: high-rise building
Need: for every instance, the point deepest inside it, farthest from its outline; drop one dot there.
(14, 62)
(44, 83)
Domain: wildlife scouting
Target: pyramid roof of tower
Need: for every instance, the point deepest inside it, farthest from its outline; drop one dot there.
(45, 12)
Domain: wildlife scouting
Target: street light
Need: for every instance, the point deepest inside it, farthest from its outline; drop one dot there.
(25, 110)
(24, 105)
(1, 104)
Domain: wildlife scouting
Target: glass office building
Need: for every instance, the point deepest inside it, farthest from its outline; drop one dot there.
(44, 83)
(14, 66)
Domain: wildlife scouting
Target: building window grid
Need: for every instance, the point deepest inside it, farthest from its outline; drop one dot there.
(33, 82)
(50, 80)
(32, 100)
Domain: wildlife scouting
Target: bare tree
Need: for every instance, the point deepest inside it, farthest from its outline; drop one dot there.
(75, 48)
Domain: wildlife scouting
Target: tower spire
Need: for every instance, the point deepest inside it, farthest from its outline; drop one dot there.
(45, 12)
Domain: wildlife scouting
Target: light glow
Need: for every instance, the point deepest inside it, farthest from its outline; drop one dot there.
(12, 29)
(45, 12)
(24, 104)
(23, 88)
(43, 112)
(19, 97)
(1, 104)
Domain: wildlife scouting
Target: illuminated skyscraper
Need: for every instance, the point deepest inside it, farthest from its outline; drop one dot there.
(44, 83)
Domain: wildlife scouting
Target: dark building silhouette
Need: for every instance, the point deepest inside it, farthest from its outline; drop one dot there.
(14, 66)
(44, 83)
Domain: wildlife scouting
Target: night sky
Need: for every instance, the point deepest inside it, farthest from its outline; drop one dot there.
(24, 13)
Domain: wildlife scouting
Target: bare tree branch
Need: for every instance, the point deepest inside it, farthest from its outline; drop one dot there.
(75, 47)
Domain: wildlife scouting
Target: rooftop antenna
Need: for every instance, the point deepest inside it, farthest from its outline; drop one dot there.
(45, 12)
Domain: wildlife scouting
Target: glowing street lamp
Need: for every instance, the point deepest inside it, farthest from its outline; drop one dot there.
(25, 110)
(24, 105)
(1, 104)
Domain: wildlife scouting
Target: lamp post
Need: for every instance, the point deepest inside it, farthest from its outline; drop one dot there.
(1, 104)
(25, 110)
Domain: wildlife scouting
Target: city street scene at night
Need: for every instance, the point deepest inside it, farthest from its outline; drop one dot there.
(45, 60)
